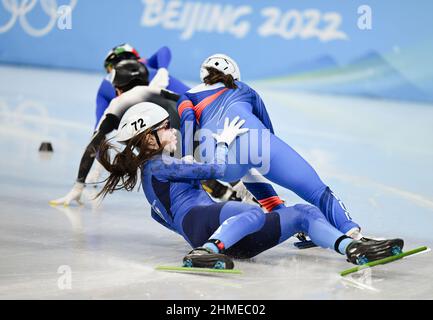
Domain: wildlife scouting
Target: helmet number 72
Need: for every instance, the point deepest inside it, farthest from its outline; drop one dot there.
(140, 123)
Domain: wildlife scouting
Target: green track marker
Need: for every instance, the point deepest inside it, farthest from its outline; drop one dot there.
(383, 261)
(198, 270)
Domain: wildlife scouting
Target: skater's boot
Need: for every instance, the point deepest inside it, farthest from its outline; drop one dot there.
(362, 252)
(206, 258)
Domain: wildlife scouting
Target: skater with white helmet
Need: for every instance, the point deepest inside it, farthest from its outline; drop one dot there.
(222, 94)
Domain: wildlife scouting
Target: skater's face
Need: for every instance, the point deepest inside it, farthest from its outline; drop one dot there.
(166, 136)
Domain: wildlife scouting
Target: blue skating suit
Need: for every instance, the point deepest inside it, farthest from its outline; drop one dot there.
(179, 203)
(161, 59)
(206, 107)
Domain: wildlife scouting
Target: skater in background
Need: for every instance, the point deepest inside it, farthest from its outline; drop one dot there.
(220, 95)
(157, 66)
(131, 82)
(130, 79)
(221, 231)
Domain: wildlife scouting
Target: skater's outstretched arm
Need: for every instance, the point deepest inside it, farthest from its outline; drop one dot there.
(106, 93)
(180, 170)
(184, 171)
(160, 59)
(108, 123)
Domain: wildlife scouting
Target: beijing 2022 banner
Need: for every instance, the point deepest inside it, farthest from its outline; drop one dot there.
(373, 48)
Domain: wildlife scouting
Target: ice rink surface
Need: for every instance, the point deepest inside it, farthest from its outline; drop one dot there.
(376, 155)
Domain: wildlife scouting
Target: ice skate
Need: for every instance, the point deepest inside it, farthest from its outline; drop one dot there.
(205, 258)
(362, 252)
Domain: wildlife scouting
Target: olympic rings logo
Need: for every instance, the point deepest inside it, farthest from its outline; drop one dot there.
(54, 12)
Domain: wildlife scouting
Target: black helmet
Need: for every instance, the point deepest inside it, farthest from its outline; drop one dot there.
(119, 53)
(129, 73)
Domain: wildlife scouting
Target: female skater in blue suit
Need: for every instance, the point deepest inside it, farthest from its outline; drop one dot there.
(223, 95)
(217, 231)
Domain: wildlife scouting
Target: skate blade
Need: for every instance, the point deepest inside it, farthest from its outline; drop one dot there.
(197, 270)
(305, 244)
(214, 261)
(385, 260)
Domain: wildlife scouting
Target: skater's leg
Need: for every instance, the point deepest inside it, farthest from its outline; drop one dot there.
(276, 227)
(279, 163)
(290, 170)
(284, 223)
(238, 220)
(246, 153)
(284, 166)
(227, 222)
(311, 221)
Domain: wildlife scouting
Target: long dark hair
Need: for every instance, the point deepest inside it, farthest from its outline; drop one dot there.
(216, 76)
(124, 167)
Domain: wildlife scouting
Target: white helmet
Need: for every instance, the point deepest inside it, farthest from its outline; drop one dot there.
(222, 63)
(139, 118)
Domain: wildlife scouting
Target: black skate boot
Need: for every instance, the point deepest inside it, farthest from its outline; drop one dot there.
(362, 252)
(206, 258)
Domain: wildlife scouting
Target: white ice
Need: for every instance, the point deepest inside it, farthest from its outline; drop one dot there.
(376, 155)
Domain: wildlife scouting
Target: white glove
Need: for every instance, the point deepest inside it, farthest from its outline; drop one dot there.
(230, 132)
(160, 80)
(74, 194)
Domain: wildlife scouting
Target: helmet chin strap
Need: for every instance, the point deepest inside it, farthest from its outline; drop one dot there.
(155, 134)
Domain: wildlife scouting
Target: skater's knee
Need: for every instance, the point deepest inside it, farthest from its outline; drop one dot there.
(307, 209)
(307, 214)
(256, 217)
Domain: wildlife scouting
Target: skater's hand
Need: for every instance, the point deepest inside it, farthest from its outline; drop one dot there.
(74, 194)
(231, 131)
(161, 79)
